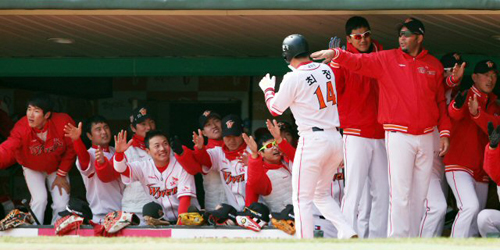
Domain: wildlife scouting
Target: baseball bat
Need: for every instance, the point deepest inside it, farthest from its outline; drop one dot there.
(27, 206)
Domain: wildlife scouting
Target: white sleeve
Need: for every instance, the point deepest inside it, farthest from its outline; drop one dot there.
(214, 158)
(282, 100)
(135, 172)
(186, 185)
(90, 168)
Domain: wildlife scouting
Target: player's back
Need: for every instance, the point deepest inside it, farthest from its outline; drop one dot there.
(312, 96)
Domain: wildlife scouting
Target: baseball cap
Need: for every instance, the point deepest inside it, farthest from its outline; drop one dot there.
(257, 210)
(77, 207)
(449, 60)
(485, 66)
(285, 214)
(221, 214)
(231, 125)
(414, 25)
(153, 210)
(207, 114)
(139, 115)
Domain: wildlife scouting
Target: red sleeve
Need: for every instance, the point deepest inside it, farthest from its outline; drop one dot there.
(9, 147)
(339, 79)
(6, 124)
(457, 114)
(188, 162)
(483, 118)
(287, 149)
(250, 196)
(105, 172)
(444, 122)
(82, 153)
(369, 65)
(202, 157)
(258, 180)
(69, 155)
(184, 203)
(450, 83)
(492, 163)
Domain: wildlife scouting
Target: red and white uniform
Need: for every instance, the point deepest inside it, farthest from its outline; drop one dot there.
(309, 91)
(134, 195)
(411, 104)
(365, 157)
(165, 186)
(103, 197)
(464, 162)
(43, 154)
(488, 220)
(337, 192)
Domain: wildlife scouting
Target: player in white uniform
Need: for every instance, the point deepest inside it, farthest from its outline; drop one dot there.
(309, 91)
(134, 196)
(104, 196)
(162, 177)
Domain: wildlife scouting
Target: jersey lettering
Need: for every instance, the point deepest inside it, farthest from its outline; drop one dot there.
(330, 95)
(157, 193)
(228, 178)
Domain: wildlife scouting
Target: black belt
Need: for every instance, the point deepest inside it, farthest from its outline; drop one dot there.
(316, 129)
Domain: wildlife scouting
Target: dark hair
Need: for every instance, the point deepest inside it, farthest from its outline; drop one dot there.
(42, 101)
(355, 22)
(263, 138)
(151, 134)
(93, 120)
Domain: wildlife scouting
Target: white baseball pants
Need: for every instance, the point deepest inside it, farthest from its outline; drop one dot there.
(471, 198)
(435, 205)
(316, 161)
(38, 182)
(410, 160)
(488, 221)
(364, 209)
(366, 159)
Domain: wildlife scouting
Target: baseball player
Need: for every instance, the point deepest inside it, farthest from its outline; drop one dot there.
(38, 144)
(488, 220)
(411, 105)
(210, 125)
(309, 91)
(134, 195)
(464, 163)
(162, 176)
(223, 160)
(104, 196)
(364, 151)
(435, 203)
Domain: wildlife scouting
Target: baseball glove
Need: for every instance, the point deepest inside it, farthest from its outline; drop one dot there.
(67, 224)
(287, 226)
(191, 219)
(116, 221)
(150, 221)
(14, 219)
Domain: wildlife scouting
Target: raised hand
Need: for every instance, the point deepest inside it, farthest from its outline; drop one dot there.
(99, 155)
(473, 106)
(494, 135)
(198, 139)
(327, 55)
(460, 99)
(274, 128)
(458, 72)
(73, 132)
(121, 144)
(267, 83)
(252, 145)
(176, 145)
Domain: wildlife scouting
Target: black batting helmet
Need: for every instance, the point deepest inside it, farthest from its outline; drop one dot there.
(293, 46)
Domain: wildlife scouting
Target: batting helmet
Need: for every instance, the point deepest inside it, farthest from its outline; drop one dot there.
(293, 46)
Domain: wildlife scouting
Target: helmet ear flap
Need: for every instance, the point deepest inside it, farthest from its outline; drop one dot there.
(293, 46)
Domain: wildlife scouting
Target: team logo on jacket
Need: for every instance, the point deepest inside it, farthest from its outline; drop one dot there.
(40, 148)
(421, 70)
(174, 181)
(228, 178)
(157, 193)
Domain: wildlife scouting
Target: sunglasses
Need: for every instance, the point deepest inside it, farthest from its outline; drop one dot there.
(268, 145)
(406, 33)
(365, 34)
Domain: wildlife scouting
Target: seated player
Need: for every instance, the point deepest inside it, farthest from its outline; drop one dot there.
(162, 177)
(104, 193)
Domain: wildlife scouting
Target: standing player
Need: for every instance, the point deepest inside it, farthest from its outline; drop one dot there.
(37, 143)
(412, 104)
(464, 163)
(104, 196)
(309, 91)
(162, 176)
(364, 151)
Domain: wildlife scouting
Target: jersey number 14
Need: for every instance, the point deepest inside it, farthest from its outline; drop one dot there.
(330, 95)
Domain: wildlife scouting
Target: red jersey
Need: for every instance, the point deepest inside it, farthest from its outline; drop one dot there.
(56, 153)
(491, 163)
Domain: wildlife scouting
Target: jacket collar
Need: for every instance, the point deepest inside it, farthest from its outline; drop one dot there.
(421, 55)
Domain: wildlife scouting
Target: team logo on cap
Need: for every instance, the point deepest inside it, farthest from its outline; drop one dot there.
(457, 56)
(229, 124)
(143, 111)
(490, 64)
(131, 118)
(206, 113)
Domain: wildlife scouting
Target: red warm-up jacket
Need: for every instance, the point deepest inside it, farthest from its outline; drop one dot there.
(24, 146)
(358, 100)
(470, 135)
(411, 98)
(492, 163)
(188, 161)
